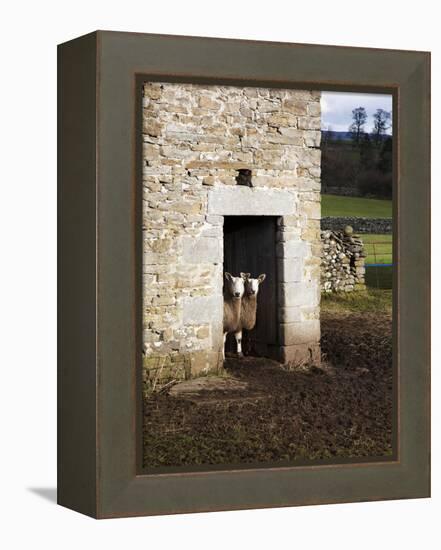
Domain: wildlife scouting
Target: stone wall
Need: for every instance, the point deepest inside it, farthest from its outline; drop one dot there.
(343, 260)
(360, 225)
(195, 140)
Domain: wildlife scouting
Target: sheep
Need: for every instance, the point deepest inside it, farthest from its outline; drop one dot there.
(249, 306)
(233, 293)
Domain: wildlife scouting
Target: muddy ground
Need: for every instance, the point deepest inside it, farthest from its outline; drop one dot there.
(263, 412)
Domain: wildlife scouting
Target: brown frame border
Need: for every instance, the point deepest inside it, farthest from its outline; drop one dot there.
(99, 251)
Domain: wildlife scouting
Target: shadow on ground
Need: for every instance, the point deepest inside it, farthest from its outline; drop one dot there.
(264, 412)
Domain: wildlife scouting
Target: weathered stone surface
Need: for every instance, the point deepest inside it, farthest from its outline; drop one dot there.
(293, 249)
(300, 354)
(203, 332)
(298, 294)
(210, 389)
(245, 201)
(314, 109)
(311, 209)
(295, 106)
(202, 249)
(201, 309)
(308, 123)
(290, 271)
(342, 262)
(301, 332)
(289, 314)
(195, 138)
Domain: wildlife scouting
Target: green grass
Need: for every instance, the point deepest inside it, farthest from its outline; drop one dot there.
(338, 206)
(378, 248)
(379, 277)
(372, 300)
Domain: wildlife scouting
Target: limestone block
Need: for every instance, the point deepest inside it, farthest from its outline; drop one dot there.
(239, 200)
(298, 294)
(312, 138)
(300, 354)
(300, 332)
(152, 91)
(215, 220)
(282, 119)
(289, 221)
(294, 138)
(206, 102)
(292, 249)
(309, 123)
(202, 309)
(267, 106)
(290, 270)
(311, 209)
(314, 109)
(203, 332)
(202, 362)
(201, 250)
(289, 314)
(285, 234)
(151, 152)
(295, 106)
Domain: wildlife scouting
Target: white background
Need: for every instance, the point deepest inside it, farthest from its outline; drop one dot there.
(29, 34)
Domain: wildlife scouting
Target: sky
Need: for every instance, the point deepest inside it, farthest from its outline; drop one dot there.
(337, 108)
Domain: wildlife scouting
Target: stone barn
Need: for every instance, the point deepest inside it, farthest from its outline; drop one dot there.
(231, 182)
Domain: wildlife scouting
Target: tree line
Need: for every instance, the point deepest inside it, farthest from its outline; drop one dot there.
(363, 165)
(382, 123)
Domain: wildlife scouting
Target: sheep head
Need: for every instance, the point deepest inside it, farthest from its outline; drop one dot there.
(235, 286)
(252, 285)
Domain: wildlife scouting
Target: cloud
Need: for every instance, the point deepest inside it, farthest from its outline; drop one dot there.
(337, 108)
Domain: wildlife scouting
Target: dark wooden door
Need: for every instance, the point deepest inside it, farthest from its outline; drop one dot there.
(250, 246)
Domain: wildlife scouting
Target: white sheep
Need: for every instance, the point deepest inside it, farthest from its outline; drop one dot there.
(233, 292)
(249, 305)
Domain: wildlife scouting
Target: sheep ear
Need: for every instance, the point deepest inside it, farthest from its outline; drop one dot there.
(245, 275)
(228, 276)
(261, 278)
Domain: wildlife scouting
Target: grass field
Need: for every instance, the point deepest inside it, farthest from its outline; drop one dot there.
(379, 277)
(335, 205)
(378, 248)
(374, 300)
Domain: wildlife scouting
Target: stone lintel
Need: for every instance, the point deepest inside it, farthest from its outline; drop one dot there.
(246, 201)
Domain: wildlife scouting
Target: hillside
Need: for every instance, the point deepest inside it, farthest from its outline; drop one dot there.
(336, 206)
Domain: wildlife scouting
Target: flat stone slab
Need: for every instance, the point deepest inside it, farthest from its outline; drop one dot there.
(237, 200)
(214, 389)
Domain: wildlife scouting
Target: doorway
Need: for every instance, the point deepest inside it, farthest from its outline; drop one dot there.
(250, 247)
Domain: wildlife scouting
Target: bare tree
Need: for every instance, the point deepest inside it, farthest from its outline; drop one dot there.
(359, 118)
(382, 123)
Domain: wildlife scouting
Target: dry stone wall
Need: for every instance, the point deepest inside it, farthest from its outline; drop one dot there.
(195, 139)
(343, 258)
(360, 225)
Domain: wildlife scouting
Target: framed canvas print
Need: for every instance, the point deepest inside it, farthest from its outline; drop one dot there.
(244, 274)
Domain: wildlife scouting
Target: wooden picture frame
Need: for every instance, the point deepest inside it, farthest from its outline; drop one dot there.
(100, 75)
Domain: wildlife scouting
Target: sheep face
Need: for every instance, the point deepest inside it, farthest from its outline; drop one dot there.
(252, 285)
(235, 285)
